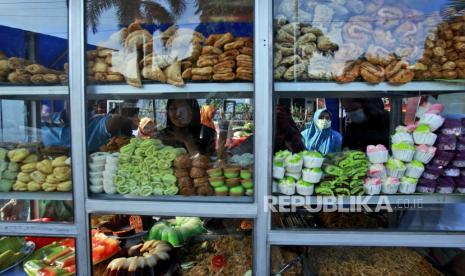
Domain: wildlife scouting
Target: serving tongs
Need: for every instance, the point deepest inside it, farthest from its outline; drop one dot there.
(289, 265)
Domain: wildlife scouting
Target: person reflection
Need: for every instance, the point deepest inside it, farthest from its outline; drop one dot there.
(319, 136)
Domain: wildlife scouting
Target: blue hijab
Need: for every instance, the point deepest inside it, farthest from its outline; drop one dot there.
(317, 139)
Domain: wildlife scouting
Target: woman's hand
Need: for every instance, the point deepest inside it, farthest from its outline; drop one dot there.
(186, 138)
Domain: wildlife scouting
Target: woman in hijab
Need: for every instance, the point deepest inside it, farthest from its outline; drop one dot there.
(183, 128)
(146, 128)
(320, 137)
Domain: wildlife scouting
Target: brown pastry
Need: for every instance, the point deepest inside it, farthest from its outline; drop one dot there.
(224, 64)
(17, 63)
(243, 57)
(244, 70)
(205, 191)
(173, 74)
(247, 64)
(211, 50)
(449, 74)
(154, 73)
(203, 71)
(224, 39)
(232, 182)
(212, 39)
(248, 41)
(114, 77)
(182, 162)
(181, 173)
(222, 70)
(200, 181)
(350, 72)
(246, 51)
(378, 55)
(197, 172)
(372, 73)
(230, 53)
(185, 65)
(187, 191)
(234, 45)
(206, 62)
(135, 26)
(460, 63)
(224, 77)
(187, 73)
(137, 39)
(38, 79)
(201, 78)
(398, 72)
(91, 55)
(244, 76)
(184, 182)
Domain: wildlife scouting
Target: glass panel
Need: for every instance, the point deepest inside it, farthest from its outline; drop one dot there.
(202, 246)
(35, 136)
(172, 42)
(379, 163)
(366, 261)
(379, 41)
(152, 148)
(36, 256)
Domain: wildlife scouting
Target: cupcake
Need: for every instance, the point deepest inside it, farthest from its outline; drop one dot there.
(445, 185)
(281, 156)
(424, 153)
(451, 171)
(247, 183)
(408, 185)
(459, 160)
(432, 172)
(443, 158)
(403, 151)
(215, 172)
(372, 186)
(390, 185)
(402, 137)
(249, 192)
(236, 191)
(460, 181)
(296, 176)
(304, 188)
(216, 181)
(377, 154)
(294, 163)
(312, 175)
(287, 186)
(313, 159)
(278, 169)
(452, 127)
(423, 135)
(434, 121)
(232, 172)
(446, 142)
(414, 169)
(221, 191)
(426, 185)
(377, 171)
(233, 182)
(245, 174)
(395, 168)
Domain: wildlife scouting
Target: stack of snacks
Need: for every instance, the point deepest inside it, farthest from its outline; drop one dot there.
(99, 66)
(232, 181)
(8, 171)
(48, 175)
(247, 181)
(103, 169)
(377, 155)
(109, 174)
(198, 173)
(21, 71)
(182, 166)
(144, 168)
(344, 174)
(217, 181)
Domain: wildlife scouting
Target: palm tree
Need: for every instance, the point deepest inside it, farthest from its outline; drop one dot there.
(130, 10)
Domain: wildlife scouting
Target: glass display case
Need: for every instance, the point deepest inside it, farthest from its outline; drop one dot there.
(291, 134)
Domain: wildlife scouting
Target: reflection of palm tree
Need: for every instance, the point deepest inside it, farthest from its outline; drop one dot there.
(453, 5)
(224, 8)
(130, 10)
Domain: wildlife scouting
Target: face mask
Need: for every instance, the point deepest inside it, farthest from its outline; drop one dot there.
(323, 124)
(357, 116)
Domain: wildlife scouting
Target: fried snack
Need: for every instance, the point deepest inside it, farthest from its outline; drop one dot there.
(173, 74)
(137, 39)
(38, 177)
(182, 162)
(224, 39)
(33, 186)
(45, 166)
(200, 161)
(242, 57)
(91, 55)
(378, 55)
(135, 26)
(154, 73)
(224, 77)
(350, 72)
(51, 78)
(38, 79)
(14, 77)
(204, 190)
(201, 78)
(244, 70)
(246, 51)
(204, 71)
(212, 39)
(246, 64)
(248, 41)
(18, 155)
(228, 54)
(39, 69)
(223, 71)
(208, 50)
(187, 73)
(224, 64)
(197, 172)
(371, 73)
(206, 62)
(181, 173)
(59, 161)
(185, 65)
(65, 186)
(49, 187)
(18, 63)
(19, 186)
(62, 173)
(234, 45)
(53, 179)
(398, 72)
(244, 76)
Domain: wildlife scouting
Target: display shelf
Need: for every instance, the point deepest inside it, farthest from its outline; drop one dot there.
(193, 90)
(396, 201)
(172, 208)
(37, 195)
(365, 238)
(37, 229)
(177, 198)
(9, 91)
(363, 89)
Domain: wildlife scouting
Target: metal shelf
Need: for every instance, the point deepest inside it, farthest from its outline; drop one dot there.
(365, 238)
(35, 91)
(363, 89)
(399, 201)
(38, 229)
(185, 207)
(37, 195)
(192, 90)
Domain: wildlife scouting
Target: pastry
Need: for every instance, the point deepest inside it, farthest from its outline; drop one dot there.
(350, 72)
(378, 55)
(210, 41)
(207, 50)
(204, 71)
(246, 51)
(372, 73)
(224, 77)
(187, 73)
(182, 162)
(137, 39)
(196, 172)
(204, 191)
(206, 62)
(398, 72)
(181, 173)
(201, 161)
(224, 64)
(234, 45)
(201, 78)
(154, 73)
(224, 39)
(173, 74)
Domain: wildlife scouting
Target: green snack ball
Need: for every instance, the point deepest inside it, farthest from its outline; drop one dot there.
(158, 190)
(166, 171)
(236, 191)
(168, 179)
(5, 185)
(215, 172)
(171, 191)
(247, 183)
(123, 189)
(145, 190)
(249, 192)
(246, 174)
(216, 181)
